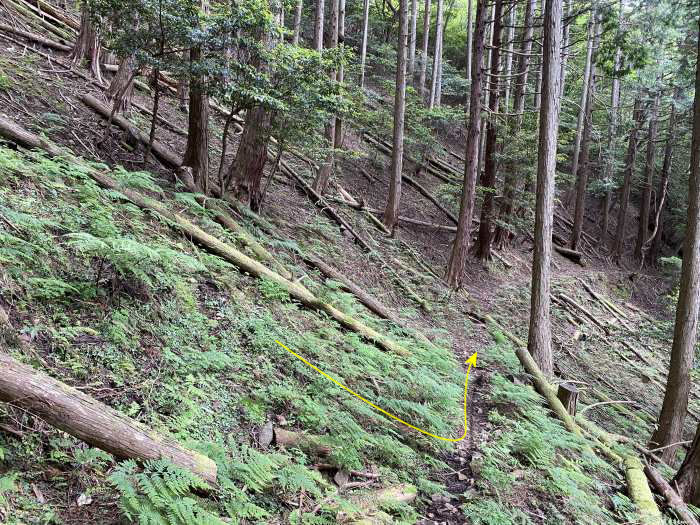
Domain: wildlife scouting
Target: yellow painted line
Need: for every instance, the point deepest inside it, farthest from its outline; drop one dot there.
(471, 362)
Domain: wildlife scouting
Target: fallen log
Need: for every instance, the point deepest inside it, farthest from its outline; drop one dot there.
(411, 181)
(302, 440)
(35, 38)
(14, 133)
(408, 220)
(84, 417)
(640, 492)
(572, 255)
(58, 14)
(672, 498)
(30, 12)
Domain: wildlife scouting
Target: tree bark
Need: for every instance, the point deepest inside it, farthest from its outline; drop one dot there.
(510, 35)
(673, 499)
(638, 116)
(540, 336)
(584, 167)
(87, 45)
(675, 405)
(339, 135)
(424, 55)
(318, 25)
(566, 24)
(297, 21)
(488, 181)
(97, 424)
(412, 41)
(121, 89)
(645, 209)
(510, 181)
(247, 170)
(470, 40)
(436, 54)
(460, 248)
(391, 214)
(363, 52)
(687, 479)
(197, 148)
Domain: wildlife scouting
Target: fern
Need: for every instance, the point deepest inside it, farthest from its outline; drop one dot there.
(255, 469)
(7, 485)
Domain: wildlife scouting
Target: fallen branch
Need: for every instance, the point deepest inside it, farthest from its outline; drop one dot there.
(672, 498)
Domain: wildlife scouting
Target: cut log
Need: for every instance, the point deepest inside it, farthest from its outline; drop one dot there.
(370, 302)
(572, 255)
(35, 38)
(18, 135)
(568, 395)
(673, 500)
(87, 419)
(302, 440)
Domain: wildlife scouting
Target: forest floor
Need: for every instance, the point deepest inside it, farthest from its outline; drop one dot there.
(517, 464)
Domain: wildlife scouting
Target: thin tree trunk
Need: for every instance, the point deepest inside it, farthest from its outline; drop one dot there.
(645, 210)
(154, 117)
(391, 213)
(297, 21)
(510, 35)
(584, 168)
(540, 336)
(663, 183)
(611, 147)
(436, 54)
(121, 88)
(460, 248)
(412, 41)
(87, 45)
(318, 26)
(197, 149)
(339, 135)
(584, 98)
(324, 173)
(565, 45)
(424, 55)
(675, 406)
(510, 181)
(363, 52)
(631, 157)
(488, 180)
(438, 84)
(470, 40)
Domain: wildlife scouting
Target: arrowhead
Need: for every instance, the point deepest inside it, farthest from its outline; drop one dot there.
(472, 359)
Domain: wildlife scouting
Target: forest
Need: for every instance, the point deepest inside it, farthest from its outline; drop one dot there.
(429, 262)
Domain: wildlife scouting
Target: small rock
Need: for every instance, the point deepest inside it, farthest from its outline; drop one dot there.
(341, 478)
(83, 500)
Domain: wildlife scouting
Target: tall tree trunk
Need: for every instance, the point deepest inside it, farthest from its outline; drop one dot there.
(540, 336)
(87, 45)
(488, 181)
(412, 41)
(391, 213)
(470, 40)
(510, 181)
(363, 52)
(318, 26)
(324, 173)
(565, 45)
(436, 54)
(247, 170)
(197, 149)
(121, 88)
(510, 35)
(339, 134)
(611, 147)
(584, 98)
(663, 183)
(631, 157)
(460, 248)
(297, 21)
(584, 168)
(645, 209)
(687, 479)
(673, 412)
(426, 42)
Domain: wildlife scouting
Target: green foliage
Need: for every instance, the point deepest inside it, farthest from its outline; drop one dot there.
(272, 291)
(7, 486)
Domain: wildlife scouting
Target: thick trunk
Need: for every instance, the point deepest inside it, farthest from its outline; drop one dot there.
(539, 338)
(121, 89)
(663, 184)
(436, 54)
(297, 22)
(247, 170)
(584, 168)
(510, 181)
(412, 41)
(675, 406)
(324, 173)
(488, 181)
(197, 149)
(391, 213)
(82, 416)
(424, 55)
(645, 210)
(460, 248)
(87, 45)
(687, 479)
(592, 29)
(318, 26)
(363, 52)
(638, 116)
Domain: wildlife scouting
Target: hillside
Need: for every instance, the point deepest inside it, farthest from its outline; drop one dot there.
(166, 305)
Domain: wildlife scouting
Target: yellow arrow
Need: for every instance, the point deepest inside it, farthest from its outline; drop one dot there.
(471, 362)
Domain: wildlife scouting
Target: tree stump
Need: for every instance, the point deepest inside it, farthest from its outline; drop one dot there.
(568, 395)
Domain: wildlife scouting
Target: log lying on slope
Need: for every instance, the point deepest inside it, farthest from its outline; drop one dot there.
(35, 38)
(672, 498)
(84, 417)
